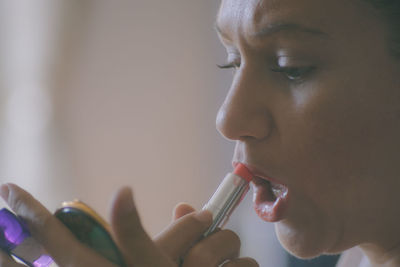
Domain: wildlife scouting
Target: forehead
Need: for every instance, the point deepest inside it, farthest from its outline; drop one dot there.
(251, 12)
(251, 16)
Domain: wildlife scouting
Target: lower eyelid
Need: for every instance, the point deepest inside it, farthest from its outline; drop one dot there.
(304, 72)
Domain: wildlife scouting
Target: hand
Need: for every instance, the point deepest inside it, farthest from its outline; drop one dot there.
(220, 247)
(179, 241)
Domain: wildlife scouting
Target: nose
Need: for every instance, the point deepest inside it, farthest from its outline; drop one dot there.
(244, 114)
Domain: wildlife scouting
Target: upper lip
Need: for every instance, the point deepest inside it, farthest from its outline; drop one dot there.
(257, 172)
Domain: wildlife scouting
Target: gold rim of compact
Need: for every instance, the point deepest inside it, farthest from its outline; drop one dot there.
(79, 205)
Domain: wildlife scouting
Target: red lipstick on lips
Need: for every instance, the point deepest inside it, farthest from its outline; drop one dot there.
(270, 198)
(242, 171)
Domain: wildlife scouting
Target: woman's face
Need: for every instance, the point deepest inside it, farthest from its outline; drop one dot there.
(315, 106)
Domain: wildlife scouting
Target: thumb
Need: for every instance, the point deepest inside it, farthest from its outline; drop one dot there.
(136, 246)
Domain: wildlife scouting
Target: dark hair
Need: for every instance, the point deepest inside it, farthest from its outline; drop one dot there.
(390, 11)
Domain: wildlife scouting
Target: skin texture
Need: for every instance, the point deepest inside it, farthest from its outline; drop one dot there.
(327, 125)
(180, 240)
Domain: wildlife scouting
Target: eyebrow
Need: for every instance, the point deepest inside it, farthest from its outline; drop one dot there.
(274, 28)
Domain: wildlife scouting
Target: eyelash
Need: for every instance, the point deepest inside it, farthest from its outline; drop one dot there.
(232, 65)
(300, 72)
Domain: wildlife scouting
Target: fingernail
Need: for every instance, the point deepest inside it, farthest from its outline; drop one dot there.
(203, 216)
(4, 191)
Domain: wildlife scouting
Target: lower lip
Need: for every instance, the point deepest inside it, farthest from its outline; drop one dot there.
(268, 207)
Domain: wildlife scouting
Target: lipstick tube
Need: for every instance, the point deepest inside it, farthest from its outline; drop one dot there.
(227, 197)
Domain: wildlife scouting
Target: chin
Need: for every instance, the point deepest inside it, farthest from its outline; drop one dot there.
(303, 244)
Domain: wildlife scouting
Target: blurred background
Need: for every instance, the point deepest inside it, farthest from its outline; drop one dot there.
(100, 94)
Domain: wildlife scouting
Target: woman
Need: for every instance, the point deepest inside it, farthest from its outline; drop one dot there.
(314, 109)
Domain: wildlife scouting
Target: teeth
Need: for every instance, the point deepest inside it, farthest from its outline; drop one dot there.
(278, 190)
(275, 190)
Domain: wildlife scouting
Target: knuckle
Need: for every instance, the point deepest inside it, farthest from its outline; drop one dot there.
(38, 222)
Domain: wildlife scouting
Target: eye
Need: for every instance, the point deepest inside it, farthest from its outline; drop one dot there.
(294, 73)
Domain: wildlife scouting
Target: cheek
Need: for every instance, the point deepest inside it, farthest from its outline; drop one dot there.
(334, 151)
(333, 132)
(335, 142)
(327, 139)
(318, 151)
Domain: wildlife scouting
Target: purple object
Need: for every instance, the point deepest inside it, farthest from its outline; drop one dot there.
(43, 261)
(16, 240)
(13, 232)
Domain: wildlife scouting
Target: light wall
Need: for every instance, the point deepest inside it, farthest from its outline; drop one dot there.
(137, 105)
